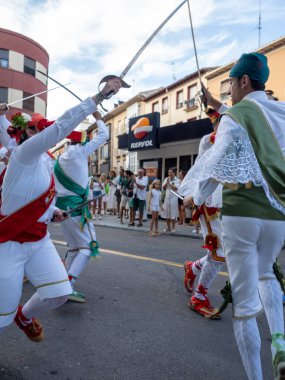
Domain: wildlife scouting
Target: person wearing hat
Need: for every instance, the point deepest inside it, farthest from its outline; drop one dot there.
(208, 216)
(248, 159)
(72, 186)
(27, 206)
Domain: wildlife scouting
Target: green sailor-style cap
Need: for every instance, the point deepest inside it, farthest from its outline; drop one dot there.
(254, 65)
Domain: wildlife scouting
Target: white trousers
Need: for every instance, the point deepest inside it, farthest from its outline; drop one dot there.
(41, 264)
(251, 247)
(75, 238)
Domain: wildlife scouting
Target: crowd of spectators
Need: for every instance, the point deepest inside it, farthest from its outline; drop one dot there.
(132, 198)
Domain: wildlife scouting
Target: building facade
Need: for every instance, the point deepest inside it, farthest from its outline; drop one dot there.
(217, 80)
(20, 58)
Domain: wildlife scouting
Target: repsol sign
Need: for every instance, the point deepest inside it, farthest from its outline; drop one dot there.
(142, 144)
(143, 132)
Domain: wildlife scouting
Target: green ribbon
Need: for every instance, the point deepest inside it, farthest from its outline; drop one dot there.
(71, 201)
(279, 275)
(226, 293)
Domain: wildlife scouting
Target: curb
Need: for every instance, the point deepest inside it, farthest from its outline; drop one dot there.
(145, 230)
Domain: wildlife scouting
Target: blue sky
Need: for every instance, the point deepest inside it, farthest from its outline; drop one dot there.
(89, 39)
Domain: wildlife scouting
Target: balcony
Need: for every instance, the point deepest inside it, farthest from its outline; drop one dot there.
(190, 105)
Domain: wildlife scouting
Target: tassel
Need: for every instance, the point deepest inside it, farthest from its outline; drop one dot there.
(94, 245)
(226, 293)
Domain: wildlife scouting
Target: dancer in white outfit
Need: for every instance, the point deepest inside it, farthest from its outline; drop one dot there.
(248, 158)
(27, 206)
(72, 186)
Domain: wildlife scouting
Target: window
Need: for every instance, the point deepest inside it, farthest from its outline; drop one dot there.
(29, 66)
(4, 94)
(164, 105)
(108, 126)
(28, 104)
(119, 127)
(224, 88)
(179, 99)
(133, 161)
(105, 152)
(4, 58)
(191, 95)
(126, 125)
(155, 107)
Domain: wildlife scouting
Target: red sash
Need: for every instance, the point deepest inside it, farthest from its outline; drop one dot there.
(22, 225)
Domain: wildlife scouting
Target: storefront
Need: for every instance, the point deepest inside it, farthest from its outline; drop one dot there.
(171, 146)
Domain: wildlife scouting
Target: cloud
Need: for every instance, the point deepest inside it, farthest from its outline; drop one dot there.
(89, 39)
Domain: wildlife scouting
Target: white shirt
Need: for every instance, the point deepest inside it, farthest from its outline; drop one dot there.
(232, 158)
(155, 197)
(5, 139)
(141, 193)
(74, 161)
(28, 174)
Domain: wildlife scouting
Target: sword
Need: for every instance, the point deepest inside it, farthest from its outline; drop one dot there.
(61, 85)
(32, 96)
(65, 213)
(196, 55)
(177, 195)
(136, 56)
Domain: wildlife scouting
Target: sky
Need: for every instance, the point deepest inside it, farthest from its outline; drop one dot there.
(89, 39)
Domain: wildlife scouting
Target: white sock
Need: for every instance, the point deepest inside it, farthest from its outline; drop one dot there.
(271, 298)
(208, 273)
(35, 306)
(198, 265)
(248, 341)
(78, 264)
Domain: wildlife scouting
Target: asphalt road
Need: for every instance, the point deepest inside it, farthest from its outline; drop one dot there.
(135, 323)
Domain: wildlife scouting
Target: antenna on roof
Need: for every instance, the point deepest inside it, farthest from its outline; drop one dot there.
(259, 25)
(173, 72)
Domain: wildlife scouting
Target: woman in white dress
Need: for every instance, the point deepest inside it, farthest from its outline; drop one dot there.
(111, 199)
(170, 201)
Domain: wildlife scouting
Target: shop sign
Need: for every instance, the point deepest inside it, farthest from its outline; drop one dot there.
(143, 132)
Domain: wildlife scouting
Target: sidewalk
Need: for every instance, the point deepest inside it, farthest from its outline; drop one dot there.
(114, 222)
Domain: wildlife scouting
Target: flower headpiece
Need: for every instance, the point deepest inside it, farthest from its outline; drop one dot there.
(22, 121)
(19, 125)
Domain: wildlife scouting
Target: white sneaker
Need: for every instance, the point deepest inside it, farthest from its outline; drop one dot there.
(194, 231)
(100, 217)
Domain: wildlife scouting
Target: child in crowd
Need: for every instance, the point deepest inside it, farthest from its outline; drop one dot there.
(154, 207)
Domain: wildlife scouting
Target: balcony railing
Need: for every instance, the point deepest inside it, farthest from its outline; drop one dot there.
(190, 105)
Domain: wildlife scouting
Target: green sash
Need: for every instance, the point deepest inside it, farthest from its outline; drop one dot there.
(267, 151)
(71, 201)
